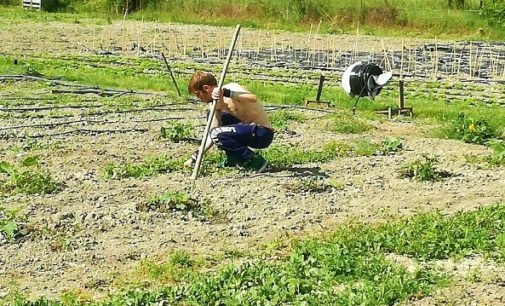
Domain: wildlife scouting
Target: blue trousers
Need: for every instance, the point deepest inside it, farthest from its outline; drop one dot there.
(236, 138)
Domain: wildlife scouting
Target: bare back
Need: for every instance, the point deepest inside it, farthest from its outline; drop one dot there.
(247, 112)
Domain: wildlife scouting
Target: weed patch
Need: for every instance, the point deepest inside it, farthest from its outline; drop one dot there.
(178, 267)
(285, 156)
(176, 131)
(29, 178)
(150, 167)
(347, 124)
(348, 267)
(181, 202)
(310, 184)
(495, 159)
(422, 169)
(471, 130)
(390, 145)
(435, 236)
(280, 119)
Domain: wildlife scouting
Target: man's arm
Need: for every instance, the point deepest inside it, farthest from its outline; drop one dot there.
(244, 97)
(237, 93)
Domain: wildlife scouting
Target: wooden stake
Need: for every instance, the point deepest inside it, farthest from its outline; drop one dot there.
(213, 109)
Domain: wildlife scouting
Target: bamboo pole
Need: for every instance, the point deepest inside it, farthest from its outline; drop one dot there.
(213, 109)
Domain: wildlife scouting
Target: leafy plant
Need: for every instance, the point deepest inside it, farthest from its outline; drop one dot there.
(471, 130)
(10, 221)
(348, 267)
(365, 148)
(30, 178)
(391, 145)
(177, 131)
(498, 155)
(173, 201)
(181, 202)
(423, 170)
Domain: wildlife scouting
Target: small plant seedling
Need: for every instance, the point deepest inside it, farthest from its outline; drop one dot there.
(171, 201)
(423, 170)
(10, 221)
(177, 131)
(391, 145)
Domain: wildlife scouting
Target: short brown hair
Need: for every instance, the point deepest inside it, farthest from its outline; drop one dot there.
(199, 79)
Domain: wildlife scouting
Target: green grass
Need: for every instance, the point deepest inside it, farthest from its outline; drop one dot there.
(346, 267)
(149, 167)
(286, 156)
(149, 74)
(280, 119)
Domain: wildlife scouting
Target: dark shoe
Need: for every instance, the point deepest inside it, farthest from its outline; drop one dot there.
(229, 161)
(257, 163)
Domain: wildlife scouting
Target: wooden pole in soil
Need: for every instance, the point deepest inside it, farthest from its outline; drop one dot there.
(213, 109)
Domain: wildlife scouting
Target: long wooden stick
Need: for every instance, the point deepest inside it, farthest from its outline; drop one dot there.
(171, 74)
(213, 108)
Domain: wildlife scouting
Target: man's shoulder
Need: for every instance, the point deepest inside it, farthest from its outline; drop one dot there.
(235, 87)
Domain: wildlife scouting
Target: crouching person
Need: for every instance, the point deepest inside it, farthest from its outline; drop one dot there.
(239, 123)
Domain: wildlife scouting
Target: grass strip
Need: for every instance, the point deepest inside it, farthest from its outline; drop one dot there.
(349, 267)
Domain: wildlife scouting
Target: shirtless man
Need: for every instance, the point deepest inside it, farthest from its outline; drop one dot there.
(239, 123)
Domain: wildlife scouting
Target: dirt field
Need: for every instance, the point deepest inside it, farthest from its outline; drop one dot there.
(91, 235)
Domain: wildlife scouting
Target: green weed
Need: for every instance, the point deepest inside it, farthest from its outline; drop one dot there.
(181, 202)
(29, 178)
(347, 124)
(11, 219)
(149, 167)
(285, 156)
(309, 184)
(435, 236)
(176, 131)
(388, 146)
(365, 148)
(171, 201)
(178, 267)
(421, 169)
(471, 130)
(391, 145)
(497, 158)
